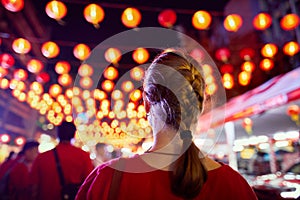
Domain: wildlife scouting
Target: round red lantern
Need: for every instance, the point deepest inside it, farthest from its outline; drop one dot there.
(233, 22)
(201, 20)
(13, 5)
(289, 22)
(6, 60)
(266, 64)
(81, 51)
(35, 66)
(140, 55)
(111, 73)
(21, 46)
(226, 68)
(269, 50)
(167, 18)
(50, 49)
(113, 55)
(131, 17)
(56, 10)
(43, 77)
(222, 54)
(62, 67)
(291, 48)
(247, 53)
(94, 14)
(262, 21)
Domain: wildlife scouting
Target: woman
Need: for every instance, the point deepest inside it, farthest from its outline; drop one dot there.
(173, 168)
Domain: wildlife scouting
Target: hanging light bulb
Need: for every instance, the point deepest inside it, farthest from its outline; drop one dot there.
(262, 21)
(167, 18)
(55, 90)
(140, 55)
(269, 50)
(94, 14)
(291, 48)
(81, 51)
(111, 73)
(50, 49)
(266, 64)
(65, 79)
(62, 67)
(244, 78)
(289, 22)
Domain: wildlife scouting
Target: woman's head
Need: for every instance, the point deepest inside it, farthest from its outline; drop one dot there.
(174, 82)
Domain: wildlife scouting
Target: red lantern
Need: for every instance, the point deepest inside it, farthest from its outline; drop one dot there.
(94, 14)
(108, 85)
(233, 22)
(81, 51)
(50, 49)
(43, 77)
(167, 18)
(289, 22)
(35, 66)
(291, 48)
(269, 50)
(55, 90)
(226, 68)
(293, 111)
(266, 64)
(222, 54)
(56, 10)
(21, 46)
(65, 79)
(262, 21)
(248, 66)
(7, 60)
(20, 74)
(244, 78)
(131, 17)
(140, 55)
(13, 5)
(201, 20)
(247, 53)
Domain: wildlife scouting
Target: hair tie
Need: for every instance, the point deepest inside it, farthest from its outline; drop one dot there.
(186, 134)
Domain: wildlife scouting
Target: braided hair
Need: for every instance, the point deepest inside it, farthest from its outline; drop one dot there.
(174, 81)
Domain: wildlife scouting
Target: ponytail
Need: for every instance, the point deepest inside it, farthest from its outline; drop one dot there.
(189, 173)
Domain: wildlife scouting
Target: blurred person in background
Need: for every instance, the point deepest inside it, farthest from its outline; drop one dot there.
(102, 155)
(74, 162)
(16, 175)
(174, 167)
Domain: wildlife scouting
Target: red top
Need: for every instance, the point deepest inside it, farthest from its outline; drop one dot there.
(76, 165)
(222, 183)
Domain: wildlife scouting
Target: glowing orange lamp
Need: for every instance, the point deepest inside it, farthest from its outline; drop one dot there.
(293, 111)
(289, 22)
(233, 22)
(201, 20)
(262, 21)
(21, 46)
(56, 10)
(291, 48)
(131, 17)
(50, 49)
(94, 14)
(13, 5)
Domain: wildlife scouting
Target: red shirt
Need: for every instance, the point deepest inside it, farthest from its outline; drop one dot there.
(76, 165)
(222, 183)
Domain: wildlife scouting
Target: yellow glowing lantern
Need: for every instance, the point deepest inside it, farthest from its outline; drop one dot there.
(244, 78)
(228, 81)
(21, 46)
(3, 71)
(35, 66)
(136, 95)
(131, 17)
(36, 87)
(94, 14)
(140, 55)
(112, 55)
(201, 20)
(50, 49)
(56, 10)
(289, 22)
(233, 22)
(85, 70)
(137, 73)
(248, 66)
(13, 5)
(266, 64)
(4, 83)
(262, 21)
(127, 86)
(65, 79)
(62, 67)
(20, 74)
(269, 50)
(55, 90)
(111, 73)
(86, 82)
(81, 51)
(291, 48)
(108, 85)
